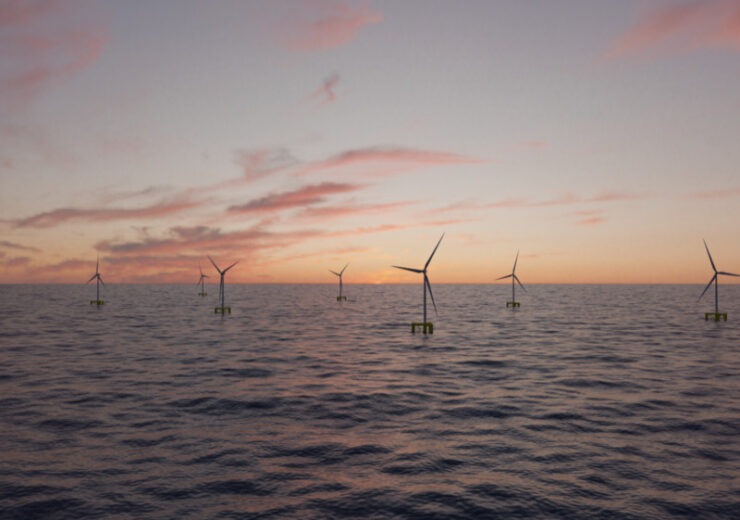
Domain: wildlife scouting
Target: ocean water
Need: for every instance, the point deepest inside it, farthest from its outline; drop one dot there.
(586, 402)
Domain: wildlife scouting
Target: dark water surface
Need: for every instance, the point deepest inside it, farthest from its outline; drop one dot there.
(588, 402)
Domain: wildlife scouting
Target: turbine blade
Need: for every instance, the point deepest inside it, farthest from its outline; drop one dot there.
(435, 250)
(232, 265)
(507, 276)
(97, 264)
(710, 255)
(343, 268)
(515, 261)
(101, 280)
(520, 283)
(707, 287)
(214, 264)
(728, 274)
(408, 269)
(333, 272)
(429, 287)
(92, 278)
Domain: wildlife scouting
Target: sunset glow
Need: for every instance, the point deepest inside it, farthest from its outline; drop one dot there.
(600, 139)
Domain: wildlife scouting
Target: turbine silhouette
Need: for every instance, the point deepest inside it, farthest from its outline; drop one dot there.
(514, 277)
(201, 282)
(339, 274)
(223, 308)
(425, 324)
(98, 280)
(715, 279)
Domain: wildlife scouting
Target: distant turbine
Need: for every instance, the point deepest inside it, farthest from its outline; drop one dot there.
(99, 280)
(513, 276)
(714, 279)
(339, 274)
(223, 309)
(425, 324)
(201, 282)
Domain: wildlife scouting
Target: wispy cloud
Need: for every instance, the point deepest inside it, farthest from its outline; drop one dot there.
(325, 93)
(42, 43)
(59, 216)
(305, 196)
(566, 199)
(330, 212)
(590, 221)
(325, 24)
(385, 160)
(199, 239)
(19, 247)
(682, 27)
(17, 261)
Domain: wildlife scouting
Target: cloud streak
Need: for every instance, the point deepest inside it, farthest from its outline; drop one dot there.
(384, 160)
(305, 196)
(19, 247)
(42, 43)
(326, 24)
(59, 216)
(683, 27)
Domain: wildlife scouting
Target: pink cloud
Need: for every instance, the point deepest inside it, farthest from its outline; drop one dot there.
(201, 239)
(326, 24)
(17, 261)
(305, 196)
(325, 93)
(61, 215)
(682, 28)
(42, 43)
(591, 221)
(386, 160)
(329, 212)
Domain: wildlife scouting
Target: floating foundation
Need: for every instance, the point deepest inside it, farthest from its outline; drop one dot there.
(202, 294)
(101, 302)
(222, 310)
(715, 315)
(341, 298)
(513, 304)
(426, 327)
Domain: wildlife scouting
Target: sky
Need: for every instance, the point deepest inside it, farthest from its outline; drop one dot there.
(600, 139)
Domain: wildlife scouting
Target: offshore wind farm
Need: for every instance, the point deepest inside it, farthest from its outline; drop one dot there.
(391, 143)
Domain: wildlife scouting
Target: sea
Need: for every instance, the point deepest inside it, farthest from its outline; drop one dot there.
(586, 402)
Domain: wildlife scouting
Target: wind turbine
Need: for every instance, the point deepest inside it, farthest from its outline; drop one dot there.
(201, 282)
(99, 280)
(339, 274)
(425, 325)
(223, 309)
(714, 279)
(514, 277)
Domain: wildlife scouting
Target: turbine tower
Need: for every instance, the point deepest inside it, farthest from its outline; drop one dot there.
(514, 277)
(716, 314)
(98, 281)
(223, 309)
(339, 274)
(201, 282)
(425, 325)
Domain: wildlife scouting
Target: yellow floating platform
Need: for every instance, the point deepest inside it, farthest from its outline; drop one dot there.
(202, 294)
(513, 304)
(426, 327)
(97, 302)
(222, 310)
(715, 315)
(341, 298)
